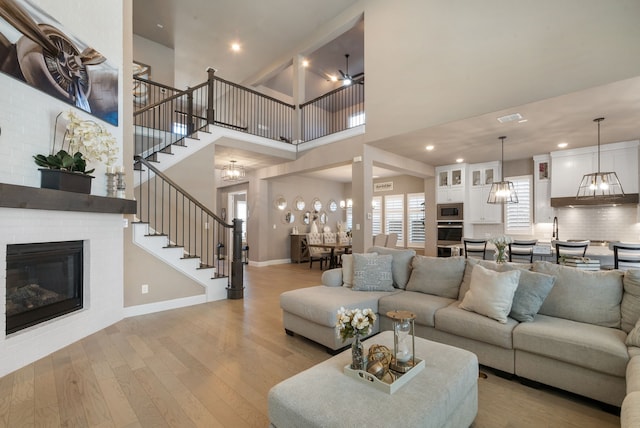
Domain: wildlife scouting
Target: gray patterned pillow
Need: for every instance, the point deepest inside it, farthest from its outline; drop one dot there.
(372, 273)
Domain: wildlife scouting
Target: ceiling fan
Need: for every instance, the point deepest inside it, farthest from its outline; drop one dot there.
(348, 79)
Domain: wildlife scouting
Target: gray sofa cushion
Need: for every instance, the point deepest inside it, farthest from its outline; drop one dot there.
(400, 265)
(436, 275)
(467, 324)
(584, 296)
(332, 277)
(423, 305)
(533, 288)
(633, 375)
(372, 273)
(320, 304)
(633, 338)
(630, 307)
(586, 345)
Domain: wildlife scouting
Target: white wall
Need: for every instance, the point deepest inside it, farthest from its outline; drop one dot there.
(26, 119)
(158, 57)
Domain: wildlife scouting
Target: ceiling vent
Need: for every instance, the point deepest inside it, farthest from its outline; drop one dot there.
(510, 118)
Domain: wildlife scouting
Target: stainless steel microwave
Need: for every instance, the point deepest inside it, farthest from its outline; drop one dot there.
(450, 212)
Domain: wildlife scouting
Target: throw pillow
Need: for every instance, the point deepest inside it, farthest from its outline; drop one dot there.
(533, 288)
(470, 263)
(593, 297)
(347, 268)
(491, 293)
(372, 273)
(633, 338)
(630, 307)
(440, 276)
(400, 265)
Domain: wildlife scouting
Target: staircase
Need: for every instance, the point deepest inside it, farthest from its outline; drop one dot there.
(159, 246)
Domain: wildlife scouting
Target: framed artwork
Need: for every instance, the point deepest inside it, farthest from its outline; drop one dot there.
(141, 89)
(37, 50)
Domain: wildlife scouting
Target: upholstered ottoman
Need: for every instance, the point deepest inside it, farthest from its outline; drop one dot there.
(444, 394)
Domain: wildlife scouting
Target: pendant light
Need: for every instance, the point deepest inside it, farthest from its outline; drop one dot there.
(232, 172)
(502, 192)
(600, 185)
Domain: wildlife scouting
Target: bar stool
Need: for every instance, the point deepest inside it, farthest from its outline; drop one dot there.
(522, 250)
(474, 246)
(570, 248)
(626, 256)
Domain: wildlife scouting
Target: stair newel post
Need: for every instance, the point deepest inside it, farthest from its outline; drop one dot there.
(190, 127)
(210, 82)
(236, 290)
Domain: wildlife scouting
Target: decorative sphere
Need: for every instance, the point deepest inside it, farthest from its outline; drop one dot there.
(380, 353)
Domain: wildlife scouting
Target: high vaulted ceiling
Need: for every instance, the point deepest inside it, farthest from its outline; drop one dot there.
(201, 32)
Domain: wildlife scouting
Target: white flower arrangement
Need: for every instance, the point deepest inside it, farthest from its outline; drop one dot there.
(501, 241)
(354, 322)
(89, 138)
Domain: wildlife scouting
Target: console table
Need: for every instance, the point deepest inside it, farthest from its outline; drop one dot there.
(299, 249)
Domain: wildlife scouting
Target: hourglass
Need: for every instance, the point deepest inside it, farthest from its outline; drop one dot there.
(403, 341)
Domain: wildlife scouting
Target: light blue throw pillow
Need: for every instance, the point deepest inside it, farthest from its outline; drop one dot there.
(372, 273)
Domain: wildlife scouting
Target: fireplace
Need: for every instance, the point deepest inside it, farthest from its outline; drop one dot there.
(44, 281)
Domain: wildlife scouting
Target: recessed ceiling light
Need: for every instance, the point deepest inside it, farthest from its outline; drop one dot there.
(510, 118)
(563, 145)
(235, 47)
(523, 121)
(459, 160)
(429, 147)
(305, 63)
(160, 25)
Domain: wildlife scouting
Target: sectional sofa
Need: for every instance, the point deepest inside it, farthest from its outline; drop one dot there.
(560, 326)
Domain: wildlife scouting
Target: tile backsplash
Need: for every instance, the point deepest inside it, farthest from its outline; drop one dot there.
(599, 223)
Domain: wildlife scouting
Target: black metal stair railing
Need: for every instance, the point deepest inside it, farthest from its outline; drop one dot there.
(147, 92)
(167, 122)
(335, 111)
(172, 212)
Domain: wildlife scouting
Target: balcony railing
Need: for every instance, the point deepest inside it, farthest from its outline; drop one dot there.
(164, 115)
(336, 111)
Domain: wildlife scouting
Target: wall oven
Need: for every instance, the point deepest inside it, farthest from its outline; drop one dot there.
(449, 212)
(450, 232)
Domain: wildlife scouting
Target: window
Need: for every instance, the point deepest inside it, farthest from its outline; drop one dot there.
(349, 218)
(394, 216)
(415, 202)
(179, 128)
(356, 120)
(376, 212)
(518, 216)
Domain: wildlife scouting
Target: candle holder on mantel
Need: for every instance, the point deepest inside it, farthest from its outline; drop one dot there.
(112, 181)
(120, 186)
(404, 341)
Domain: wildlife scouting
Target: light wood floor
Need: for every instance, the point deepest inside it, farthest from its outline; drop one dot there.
(213, 364)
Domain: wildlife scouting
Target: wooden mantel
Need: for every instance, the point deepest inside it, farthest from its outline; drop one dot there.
(14, 196)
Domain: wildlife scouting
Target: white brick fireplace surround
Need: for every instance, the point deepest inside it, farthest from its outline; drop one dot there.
(103, 276)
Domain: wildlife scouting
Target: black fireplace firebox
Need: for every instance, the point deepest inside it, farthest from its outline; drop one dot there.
(44, 281)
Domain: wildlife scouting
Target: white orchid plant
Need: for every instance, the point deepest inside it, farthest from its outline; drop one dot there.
(86, 141)
(354, 322)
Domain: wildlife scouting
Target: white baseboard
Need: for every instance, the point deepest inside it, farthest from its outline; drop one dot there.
(151, 308)
(269, 262)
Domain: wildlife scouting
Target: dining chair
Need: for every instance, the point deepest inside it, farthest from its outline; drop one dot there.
(343, 238)
(626, 255)
(570, 249)
(392, 238)
(474, 246)
(315, 253)
(522, 250)
(380, 240)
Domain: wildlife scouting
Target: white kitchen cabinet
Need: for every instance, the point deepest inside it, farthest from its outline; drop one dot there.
(450, 183)
(481, 176)
(569, 166)
(543, 212)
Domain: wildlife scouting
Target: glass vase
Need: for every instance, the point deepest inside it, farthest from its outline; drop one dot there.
(358, 358)
(501, 255)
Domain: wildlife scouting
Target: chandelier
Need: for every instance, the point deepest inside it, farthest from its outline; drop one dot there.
(232, 172)
(502, 192)
(600, 184)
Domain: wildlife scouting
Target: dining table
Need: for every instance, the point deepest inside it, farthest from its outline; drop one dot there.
(332, 247)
